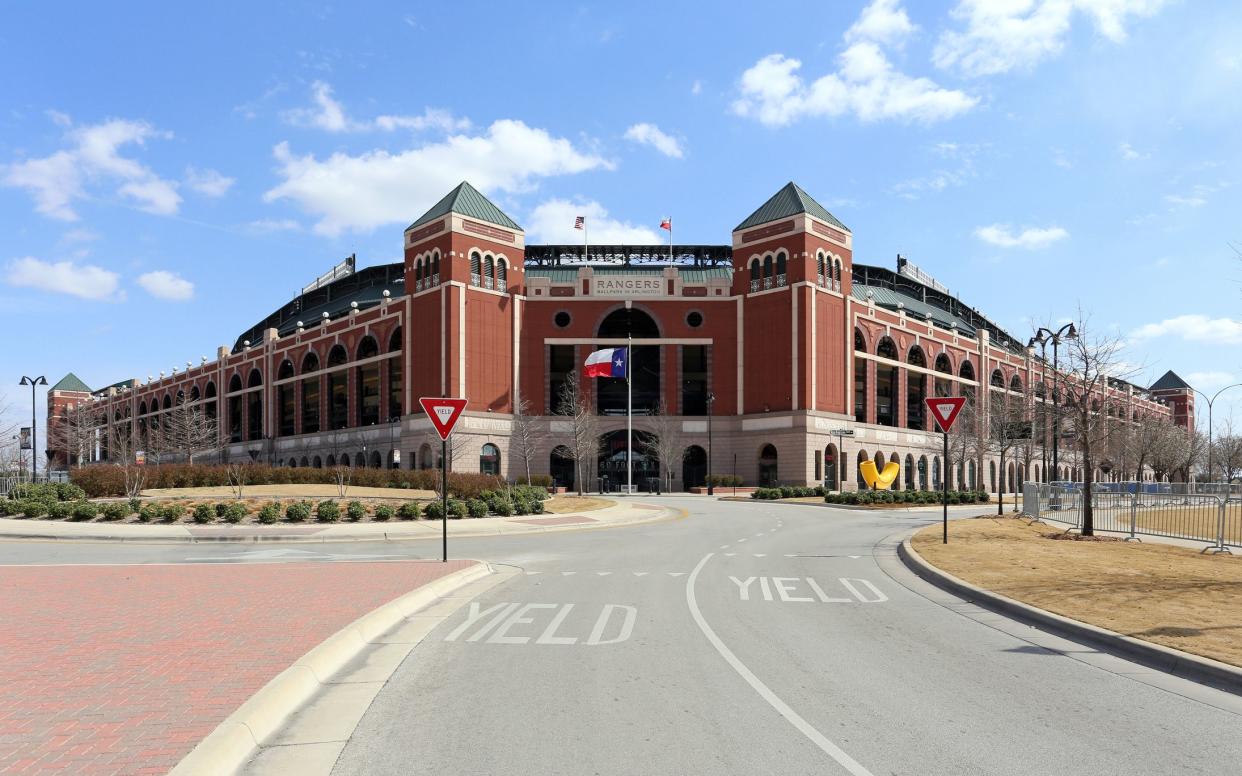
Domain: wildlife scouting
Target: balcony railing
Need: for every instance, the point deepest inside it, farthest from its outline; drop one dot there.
(754, 285)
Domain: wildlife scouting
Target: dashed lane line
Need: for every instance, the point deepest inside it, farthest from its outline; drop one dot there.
(782, 708)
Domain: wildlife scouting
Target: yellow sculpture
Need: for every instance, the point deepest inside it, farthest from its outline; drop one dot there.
(875, 479)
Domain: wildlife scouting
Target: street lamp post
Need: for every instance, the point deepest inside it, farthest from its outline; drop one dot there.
(1042, 335)
(1209, 403)
(711, 398)
(1043, 410)
(34, 429)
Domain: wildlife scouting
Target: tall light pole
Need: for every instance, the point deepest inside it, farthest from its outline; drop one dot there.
(1041, 335)
(1040, 340)
(34, 428)
(711, 398)
(1210, 402)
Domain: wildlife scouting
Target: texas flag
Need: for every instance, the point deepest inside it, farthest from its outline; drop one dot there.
(609, 362)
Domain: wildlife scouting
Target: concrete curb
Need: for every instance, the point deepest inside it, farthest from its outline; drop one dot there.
(1203, 670)
(856, 507)
(664, 513)
(228, 747)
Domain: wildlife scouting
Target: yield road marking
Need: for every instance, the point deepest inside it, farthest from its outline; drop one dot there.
(614, 625)
(785, 588)
(782, 708)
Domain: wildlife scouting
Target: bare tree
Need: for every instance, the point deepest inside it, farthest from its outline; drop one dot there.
(1093, 360)
(1006, 428)
(74, 432)
(122, 445)
(1227, 453)
(583, 441)
(187, 430)
(666, 442)
(239, 475)
(525, 435)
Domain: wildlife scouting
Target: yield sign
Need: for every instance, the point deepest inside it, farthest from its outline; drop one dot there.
(443, 413)
(945, 409)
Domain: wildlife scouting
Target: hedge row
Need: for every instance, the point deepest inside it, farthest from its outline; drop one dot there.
(102, 480)
(786, 491)
(724, 481)
(906, 497)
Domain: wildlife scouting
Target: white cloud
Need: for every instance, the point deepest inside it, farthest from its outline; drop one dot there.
(696, 88)
(55, 181)
(865, 84)
(63, 277)
(208, 182)
(1196, 197)
(379, 187)
(650, 134)
(1129, 153)
(884, 21)
(1177, 200)
(329, 115)
(1207, 380)
(1194, 328)
(166, 285)
(1004, 35)
(553, 222)
(963, 170)
(270, 225)
(1002, 236)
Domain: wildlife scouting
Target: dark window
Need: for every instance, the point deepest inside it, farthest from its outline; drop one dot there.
(310, 405)
(254, 408)
(886, 385)
(694, 320)
(561, 319)
(489, 459)
(694, 379)
(560, 365)
(286, 407)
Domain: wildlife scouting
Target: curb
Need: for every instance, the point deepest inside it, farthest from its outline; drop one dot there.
(229, 746)
(665, 513)
(852, 507)
(1202, 670)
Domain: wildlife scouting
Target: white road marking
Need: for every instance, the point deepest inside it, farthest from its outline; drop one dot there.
(602, 573)
(676, 573)
(879, 597)
(533, 573)
(730, 554)
(741, 540)
(517, 618)
(788, 555)
(549, 634)
(760, 554)
(627, 625)
(855, 557)
(568, 573)
(616, 618)
(759, 535)
(782, 708)
(724, 546)
(641, 573)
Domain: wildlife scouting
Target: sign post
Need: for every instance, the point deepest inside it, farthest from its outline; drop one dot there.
(444, 414)
(945, 410)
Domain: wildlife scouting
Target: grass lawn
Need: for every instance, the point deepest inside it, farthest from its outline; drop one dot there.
(1172, 596)
(560, 505)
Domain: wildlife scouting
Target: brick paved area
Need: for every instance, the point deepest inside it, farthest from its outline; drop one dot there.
(123, 669)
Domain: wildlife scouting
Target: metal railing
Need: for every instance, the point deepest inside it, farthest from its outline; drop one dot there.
(1199, 512)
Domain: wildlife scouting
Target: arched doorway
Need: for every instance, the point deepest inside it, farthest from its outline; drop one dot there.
(831, 481)
(612, 459)
(858, 478)
(644, 365)
(424, 457)
(561, 467)
(694, 467)
(767, 467)
(489, 459)
(909, 472)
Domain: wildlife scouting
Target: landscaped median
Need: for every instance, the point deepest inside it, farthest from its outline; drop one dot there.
(1168, 595)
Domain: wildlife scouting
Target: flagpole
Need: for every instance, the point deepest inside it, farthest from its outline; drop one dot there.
(629, 417)
(586, 244)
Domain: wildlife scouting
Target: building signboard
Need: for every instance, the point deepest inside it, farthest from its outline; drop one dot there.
(628, 285)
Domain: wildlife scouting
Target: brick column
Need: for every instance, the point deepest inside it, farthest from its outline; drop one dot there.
(902, 397)
(871, 392)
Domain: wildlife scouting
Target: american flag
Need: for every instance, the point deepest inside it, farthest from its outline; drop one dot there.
(580, 222)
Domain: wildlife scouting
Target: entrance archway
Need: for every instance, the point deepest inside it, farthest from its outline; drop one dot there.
(644, 365)
(830, 468)
(694, 467)
(767, 467)
(561, 467)
(612, 459)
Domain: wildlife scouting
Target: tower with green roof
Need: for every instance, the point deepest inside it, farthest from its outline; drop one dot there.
(64, 396)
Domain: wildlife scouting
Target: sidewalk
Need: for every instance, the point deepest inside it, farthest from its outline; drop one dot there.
(396, 530)
(124, 669)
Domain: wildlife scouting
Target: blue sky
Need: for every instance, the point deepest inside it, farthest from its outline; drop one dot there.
(168, 177)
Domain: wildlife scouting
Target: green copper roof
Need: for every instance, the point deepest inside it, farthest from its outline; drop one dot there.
(1169, 382)
(789, 201)
(467, 201)
(71, 382)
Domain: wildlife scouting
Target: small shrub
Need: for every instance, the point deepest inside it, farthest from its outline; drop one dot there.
(221, 509)
(61, 510)
(408, 511)
(457, 508)
(148, 512)
(476, 507)
(383, 512)
(356, 511)
(7, 507)
(82, 510)
(327, 512)
(115, 510)
(134, 505)
(434, 511)
(67, 491)
(298, 511)
(269, 513)
(204, 513)
(35, 508)
(171, 513)
(502, 507)
(522, 506)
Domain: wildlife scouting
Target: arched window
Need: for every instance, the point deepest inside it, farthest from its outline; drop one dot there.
(435, 267)
(368, 387)
(916, 391)
(967, 372)
(489, 459)
(754, 274)
(894, 458)
(396, 379)
(1015, 384)
(767, 271)
(936, 473)
(418, 274)
(376, 460)
(310, 362)
(489, 272)
(645, 363)
(255, 379)
(831, 468)
(502, 275)
(819, 266)
(922, 472)
(780, 268)
(209, 399)
(767, 467)
(286, 400)
(285, 370)
(886, 380)
(860, 378)
(909, 472)
(858, 477)
(475, 268)
(317, 462)
(836, 265)
(360, 461)
(992, 476)
(337, 355)
(194, 394)
(424, 456)
(998, 379)
(338, 392)
(943, 386)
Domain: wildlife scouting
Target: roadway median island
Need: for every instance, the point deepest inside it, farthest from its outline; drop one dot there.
(1164, 594)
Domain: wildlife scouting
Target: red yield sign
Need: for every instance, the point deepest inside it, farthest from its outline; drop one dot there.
(444, 413)
(945, 410)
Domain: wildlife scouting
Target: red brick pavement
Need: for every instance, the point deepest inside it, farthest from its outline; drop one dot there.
(123, 669)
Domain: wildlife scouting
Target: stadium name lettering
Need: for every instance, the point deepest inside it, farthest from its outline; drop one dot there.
(632, 286)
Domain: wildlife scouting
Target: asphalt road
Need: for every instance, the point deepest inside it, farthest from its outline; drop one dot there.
(747, 638)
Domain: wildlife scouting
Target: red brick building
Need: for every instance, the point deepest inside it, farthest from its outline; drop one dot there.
(806, 362)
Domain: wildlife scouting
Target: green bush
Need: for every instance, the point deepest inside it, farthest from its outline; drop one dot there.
(7, 507)
(408, 510)
(171, 513)
(541, 480)
(327, 512)
(204, 513)
(477, 507)
(355, 511)
(67, 491)
(61, 510)
(502, 507)
(434, 511)
(457, 508)
(84, 510)
(32, 507)
(269, 513)
(383, 512)
(115, 510)
(298, 511)
(134, 505)
(221, 508)
(148, 512)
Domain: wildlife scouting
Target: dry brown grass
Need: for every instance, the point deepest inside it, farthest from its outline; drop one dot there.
(293, 491)
(560, 505)
(1169, 595)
